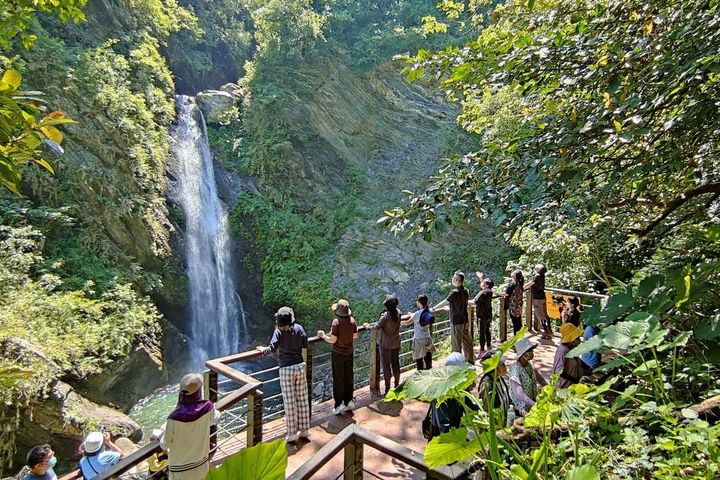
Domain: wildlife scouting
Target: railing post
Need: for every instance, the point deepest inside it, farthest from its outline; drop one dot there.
(254, 418)
(211, 393)
(308, 356)
(503, 319)
(528, 310)
(353, 460)
(374, 364)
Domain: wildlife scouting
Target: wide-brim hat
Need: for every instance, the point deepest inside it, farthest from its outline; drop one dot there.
(191, 383)
(570, 332)
(93, 442)
(523, 346)
(342, 308)
(285, 316)
(455, 358)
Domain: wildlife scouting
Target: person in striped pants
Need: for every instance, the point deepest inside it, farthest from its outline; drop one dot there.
(288, 340)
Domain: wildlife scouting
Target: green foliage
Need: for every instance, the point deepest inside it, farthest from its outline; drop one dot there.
(47, 333)
(580, 114)
(286, 29)
(434, 384)
(16, 16)
(21, 132)
(265, 461)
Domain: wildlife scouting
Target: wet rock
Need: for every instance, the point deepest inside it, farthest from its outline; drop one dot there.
(217, 106)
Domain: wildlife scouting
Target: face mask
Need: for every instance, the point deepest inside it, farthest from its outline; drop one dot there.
(52, 462)
(529, 356)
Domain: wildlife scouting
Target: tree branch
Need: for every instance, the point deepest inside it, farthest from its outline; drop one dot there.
(670, 207)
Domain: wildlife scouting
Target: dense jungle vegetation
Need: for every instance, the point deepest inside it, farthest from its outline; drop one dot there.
(592, 132)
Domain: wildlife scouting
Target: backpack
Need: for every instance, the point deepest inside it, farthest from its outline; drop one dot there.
(441, 420)
(426, 318)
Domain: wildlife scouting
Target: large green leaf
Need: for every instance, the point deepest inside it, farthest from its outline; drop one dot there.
(266, 461)
(451, 447)
(435, 384)
(585, 472)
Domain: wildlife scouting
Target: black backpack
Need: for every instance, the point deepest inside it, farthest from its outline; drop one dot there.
(426, 318)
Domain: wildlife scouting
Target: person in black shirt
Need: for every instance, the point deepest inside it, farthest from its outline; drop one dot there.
(288, 340)
(539, 302)
(457, 301)
(483, 311)
(571, 312)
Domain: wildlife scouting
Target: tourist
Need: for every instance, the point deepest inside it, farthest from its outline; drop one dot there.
(525, 380)
(342, 333)
(571, 312)
(539, 302)
(187, 431)
(457, 300)
(388, 339)
(99, 453)
(483, 311)
(570, 369)
(591, 360)
(289, 339)
(422, 344)
(41, 461)
(443, 418)
(514, 299)
(493, 378)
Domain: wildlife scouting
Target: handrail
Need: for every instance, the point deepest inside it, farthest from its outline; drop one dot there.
(574, 293)
(352, 438)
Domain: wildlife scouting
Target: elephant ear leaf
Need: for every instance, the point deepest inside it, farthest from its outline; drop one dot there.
(265, 461)
(435, 384)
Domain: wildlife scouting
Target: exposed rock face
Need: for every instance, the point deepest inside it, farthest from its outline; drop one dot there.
(63, 419)
(216, 105)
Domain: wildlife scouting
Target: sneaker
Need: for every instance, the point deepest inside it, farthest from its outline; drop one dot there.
(304, 433)
(349, 407)
(291, 438)
(338, 410)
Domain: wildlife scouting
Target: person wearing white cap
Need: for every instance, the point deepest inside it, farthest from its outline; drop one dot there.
(187, 431)
(96, 459)
(525, 381)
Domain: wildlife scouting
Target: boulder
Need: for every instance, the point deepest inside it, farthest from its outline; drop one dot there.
(233, 89)
(217, 106)
(64, 417)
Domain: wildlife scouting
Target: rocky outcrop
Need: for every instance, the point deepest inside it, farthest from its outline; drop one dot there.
(64, 417)
(217, 106)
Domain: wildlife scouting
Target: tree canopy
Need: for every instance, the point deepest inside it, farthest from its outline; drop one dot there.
(585, 109)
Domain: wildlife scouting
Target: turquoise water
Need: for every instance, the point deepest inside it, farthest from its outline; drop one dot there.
(152, 411)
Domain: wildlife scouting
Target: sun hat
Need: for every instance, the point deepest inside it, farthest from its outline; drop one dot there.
(391, 301)
(191, 383)
(342, 308)
(455, 358)
(488, 355)
(93, 442)
(285, 316)
(570, 332)
(524, 345)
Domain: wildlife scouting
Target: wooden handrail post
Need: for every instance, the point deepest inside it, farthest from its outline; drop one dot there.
(211, 393)
(503, 319)
(374, 364)
(254, 418)
(308, 356)
(528, 310)
(353, 460)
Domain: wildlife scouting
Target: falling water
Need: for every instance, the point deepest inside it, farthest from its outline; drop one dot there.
(216, 312)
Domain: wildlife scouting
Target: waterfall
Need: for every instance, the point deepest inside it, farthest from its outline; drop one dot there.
(216, 312)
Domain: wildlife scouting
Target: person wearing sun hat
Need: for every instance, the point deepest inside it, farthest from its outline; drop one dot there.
(343, 331)
(187, 431)
(99, 454)
(494, 378)
(570, 369)
(525, 380)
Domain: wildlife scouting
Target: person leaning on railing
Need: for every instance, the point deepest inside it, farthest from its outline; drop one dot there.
(187, 431)
(289, 339)
(422, 345)
(388, 339)
(342, 333)
(539, 302)
(457, 300)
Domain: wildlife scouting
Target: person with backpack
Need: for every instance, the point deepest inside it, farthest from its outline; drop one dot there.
(448, 415)
(422, 345)
(388, 339)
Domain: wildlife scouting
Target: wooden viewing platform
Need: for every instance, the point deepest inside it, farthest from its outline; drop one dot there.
(397, 421)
